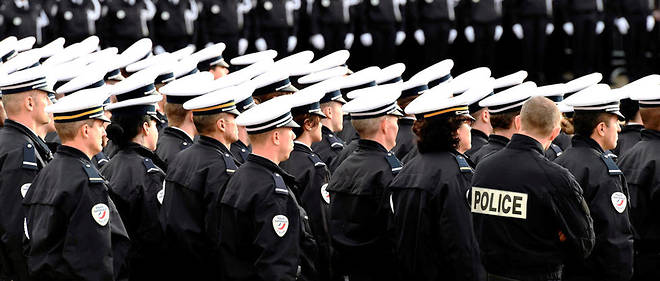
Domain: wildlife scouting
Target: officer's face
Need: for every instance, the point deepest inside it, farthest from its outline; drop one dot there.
(230, 128)
(219, 71)
(40, 101)
(611, 132)
(108, 114)
(337, 116)
(391, 130)
(96, 134)
(464, 137)
(152, 136)
(286, 142)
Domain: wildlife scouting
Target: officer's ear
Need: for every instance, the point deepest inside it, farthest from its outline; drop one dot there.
(220, 124)
(29, 102)
(517, 122)
(189, 116)
(485, 116)
(600, 129)
(327, 110)
(276, 137)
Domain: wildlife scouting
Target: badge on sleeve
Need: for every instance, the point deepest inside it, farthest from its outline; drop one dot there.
(325, 194)
(280, 225)
(619, 201)
(25, 188)
(101, 214)
(161, 194)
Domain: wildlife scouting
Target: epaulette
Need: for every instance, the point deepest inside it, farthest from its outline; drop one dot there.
(316, 160)
(280, 186)
(463, 164)
(101, 159)
(151, 167)
(612, 168)
(185, 145)
(92, 174)
(558, 151)
(29, 157)
(230, 165)
(335, 142)
(394, 162)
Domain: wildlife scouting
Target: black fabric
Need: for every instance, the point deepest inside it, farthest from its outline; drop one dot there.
(479, 139)
(329, 147)
(405, 138)
(495, 144)
(531, 247)
(629, 136)
(171, 142)
(240, 151)
(612, 256)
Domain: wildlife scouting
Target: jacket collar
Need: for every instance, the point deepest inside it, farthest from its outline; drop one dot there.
(364, 144)
(582, 141)
(269, 165)
(498, 139)
(523, 142)
(43, 149)
(209, 141)
(147, 153)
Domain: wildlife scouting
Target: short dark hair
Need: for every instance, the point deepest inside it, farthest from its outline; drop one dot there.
(301, 118)
(585, 122)
(269, 96)
(438, 133)
(503, 121)
(123, 129)
(175, 113)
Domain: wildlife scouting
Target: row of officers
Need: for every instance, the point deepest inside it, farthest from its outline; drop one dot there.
(533, 33)
(170, 167)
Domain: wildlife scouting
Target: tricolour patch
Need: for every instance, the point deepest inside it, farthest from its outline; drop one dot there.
(280, 225)
(325, 194)
(499, 203)
(101, 214)
(25, 188)
(619, 201)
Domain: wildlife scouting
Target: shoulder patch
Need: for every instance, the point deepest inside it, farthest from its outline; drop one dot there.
(100, 159)
(92, 174)
(335, 142)
(463, 164)
(316, 160)
(558, 151)
(394, 162)
(280, 186)
(185, 145)
(151, 167)
(29, 157)
(612, 168)
(230, 165)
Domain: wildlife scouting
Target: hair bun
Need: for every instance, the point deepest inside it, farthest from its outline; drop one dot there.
(115, 132)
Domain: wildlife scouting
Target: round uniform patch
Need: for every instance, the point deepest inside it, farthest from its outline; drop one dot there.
(68, 15)
(165, 16)
(25, 188)
(101, 214)
(325, 194)
(375, 2)
(268, 5)
(215, 9)
(619, 201)
(121, 14)
(280, 225)
(325, 3)
(17, 21)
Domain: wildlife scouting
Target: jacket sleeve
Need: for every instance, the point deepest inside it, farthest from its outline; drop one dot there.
(575, 222)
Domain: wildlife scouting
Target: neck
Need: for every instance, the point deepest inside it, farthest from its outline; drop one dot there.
(505, 133)
(219, 136)
(267, 152)
(78, 145)
(189, 128)
(305, 139)
(600, 141)
(636, 120)
(27, 122)
(243, 136)
(380, 138)
(328, 123)
(483, 127)
(545, 141)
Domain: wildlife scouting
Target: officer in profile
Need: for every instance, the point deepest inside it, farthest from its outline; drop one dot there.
(428, 195)
(642, 173)
(264, 232)
(23, 155)
(76, 207)
(596, 129)
(359, 210)
(529, 214)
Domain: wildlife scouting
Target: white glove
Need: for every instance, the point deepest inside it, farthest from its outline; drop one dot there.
(260, 44)
(600, 26)
(209, 44)
(159, 50)
(291, 43)
(568, 28)
(650, 23)
(518, 31)
(400, 36)
(498, 33)
(622, 25)
(366, 39)
(469, 34)
(348, 40)
(549, 29)
(317, 41)
(420, 37)
(242, 46)
(452, 36)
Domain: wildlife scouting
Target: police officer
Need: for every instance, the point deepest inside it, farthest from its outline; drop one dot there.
(124, 21)
(555, 93)
(405, 138)
(241, 148)
(642, 176)
(533, 23)
(181, 130)
(65, 208)
(25, 154)
(274, 25)
(504, 109)
(231, 16)
(362, 79)
(272, 83)
(381, 30)
(631, 133)
(23, 18)
(582, 23)
(174, 24)
(605, 189)
(75, 20)
(529, 214)
(310, 171)
(195, 182)
(428, 196)
(636, 23)
(434, 23)
(135, 177)
(483, 28)
(211, 60)
(360, 237)
(264, 232)
(330, 25)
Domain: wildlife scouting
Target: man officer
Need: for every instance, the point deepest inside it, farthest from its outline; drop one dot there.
(529, 214)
